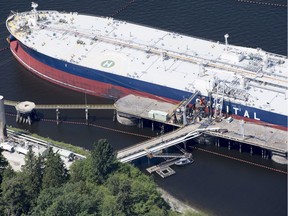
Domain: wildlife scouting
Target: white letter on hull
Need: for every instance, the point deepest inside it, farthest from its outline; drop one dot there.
(255, 117)
(235, 110)
(246, 114)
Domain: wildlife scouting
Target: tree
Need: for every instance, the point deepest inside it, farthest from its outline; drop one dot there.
(33, 172)
(14, 195)
(3, 165)
(55, 173)
(7, 174)
(45, 200)
(79, 198)
(109, 206)
(123, 198)
(103, 160)
(77, 170)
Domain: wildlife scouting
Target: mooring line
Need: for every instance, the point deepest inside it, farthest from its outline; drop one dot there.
(6, 61)
(123, 8)
(93, 125)
(237, 159)
(262, 3)
(149, 137)
(5, 48)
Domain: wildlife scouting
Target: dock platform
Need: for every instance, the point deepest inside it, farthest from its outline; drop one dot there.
(142, 108)
(163, 169)
(262, 136)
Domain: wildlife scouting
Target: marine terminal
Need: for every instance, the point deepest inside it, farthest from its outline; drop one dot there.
(114, 59)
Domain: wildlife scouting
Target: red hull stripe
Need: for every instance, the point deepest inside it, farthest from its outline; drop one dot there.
(71, 81)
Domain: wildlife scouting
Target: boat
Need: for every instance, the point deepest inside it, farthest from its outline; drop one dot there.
(111, 58)
(183, 161)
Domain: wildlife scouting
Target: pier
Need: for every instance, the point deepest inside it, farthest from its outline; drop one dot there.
(189, 125)
(255, 135)
(261, 136)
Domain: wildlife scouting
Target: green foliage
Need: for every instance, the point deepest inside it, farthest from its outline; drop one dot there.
(97, 166)
(98, 185)
(55, 173)
(3, 165)
(103, 160)
(45, 199)
(8, 173)
(33, 171)
(70, 199)
(135, 193)
(123, 198)
(63, 145)
(109, 206)
(67, 146)
(155, 210)
(77, 170)
(14, 196)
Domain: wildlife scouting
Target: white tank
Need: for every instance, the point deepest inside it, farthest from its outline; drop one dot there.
(2, 120)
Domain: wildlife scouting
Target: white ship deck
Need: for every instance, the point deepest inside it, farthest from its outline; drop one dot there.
(251, 77)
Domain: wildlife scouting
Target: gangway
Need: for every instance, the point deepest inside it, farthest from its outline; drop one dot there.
(188, 101)
(159, 143)
(185, 103)
(170, 155)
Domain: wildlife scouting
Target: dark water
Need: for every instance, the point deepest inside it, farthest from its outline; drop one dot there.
(214, 184)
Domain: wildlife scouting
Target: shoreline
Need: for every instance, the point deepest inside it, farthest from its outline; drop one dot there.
(176, 204)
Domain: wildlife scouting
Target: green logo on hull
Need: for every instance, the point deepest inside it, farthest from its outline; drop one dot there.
(107, 63)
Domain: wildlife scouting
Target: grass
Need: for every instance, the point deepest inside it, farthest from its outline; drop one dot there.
(73, 148)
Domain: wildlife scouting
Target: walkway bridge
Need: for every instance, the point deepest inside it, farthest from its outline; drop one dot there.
(65, 106)
(159, 143)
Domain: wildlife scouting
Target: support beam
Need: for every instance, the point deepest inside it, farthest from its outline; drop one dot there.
(57, 116)
(86, 116)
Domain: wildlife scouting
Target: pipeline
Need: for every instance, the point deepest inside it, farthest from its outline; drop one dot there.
(123, 8)
(262, 3)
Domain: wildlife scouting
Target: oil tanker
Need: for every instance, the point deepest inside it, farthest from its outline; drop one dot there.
(112, 58)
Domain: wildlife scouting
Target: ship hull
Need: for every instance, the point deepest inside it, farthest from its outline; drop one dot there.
(103, 84)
